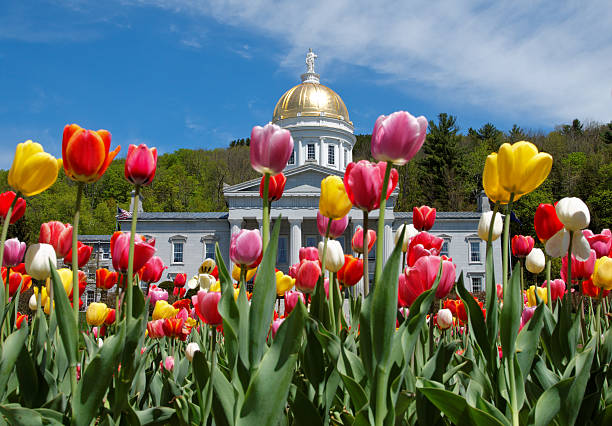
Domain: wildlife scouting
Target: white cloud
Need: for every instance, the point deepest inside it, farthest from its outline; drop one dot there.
(547, 60)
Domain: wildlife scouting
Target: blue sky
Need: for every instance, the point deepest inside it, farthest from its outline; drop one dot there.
(197, 74)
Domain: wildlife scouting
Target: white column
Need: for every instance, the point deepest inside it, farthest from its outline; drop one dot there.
(235, 226)
(322, 160)
(358, 288)
(298, 154)
(295, 240)
(388, 246)
(341, 156)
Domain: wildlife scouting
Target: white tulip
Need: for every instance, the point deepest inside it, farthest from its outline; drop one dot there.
(445, 318)
(190, 350)
(100, 342)
(193, 282)
(206, 280)
(37, 261)
(33, 303)
(535, 261)
(207, 266)
(558, 245)
(485, 223)
(573, 213)
(334, 257)
(411, 231)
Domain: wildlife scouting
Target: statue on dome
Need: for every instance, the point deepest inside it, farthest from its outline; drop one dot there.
(310, 59)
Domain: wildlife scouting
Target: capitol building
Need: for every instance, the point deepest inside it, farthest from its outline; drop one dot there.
(323, 134)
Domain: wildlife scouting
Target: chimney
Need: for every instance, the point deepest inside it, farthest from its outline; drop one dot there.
(483, 203)
(139, 202)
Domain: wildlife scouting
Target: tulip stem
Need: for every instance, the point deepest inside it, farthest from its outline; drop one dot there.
(381, 224)
(505, 244)
(213, 366)
(366, 260)
(130, 272)
(548, 282)
(325, 248)
(266, 213)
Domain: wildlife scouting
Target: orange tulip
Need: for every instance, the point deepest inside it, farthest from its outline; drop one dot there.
(86, 153)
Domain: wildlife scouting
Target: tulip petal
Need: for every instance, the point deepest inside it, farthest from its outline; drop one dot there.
(580, 247)
(558, 244)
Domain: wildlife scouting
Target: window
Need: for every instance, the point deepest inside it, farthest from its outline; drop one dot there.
(476, 283)
(372, 252)
(340, 239)
(444, 250)
(311, 241)
(281, 256)
(91, 274)
(474, 251)
(346, 157)
(331, 155)
(311, 151)
(106, 253)
(292, 158)
(177, 252)
(210, 251)
(91, 297)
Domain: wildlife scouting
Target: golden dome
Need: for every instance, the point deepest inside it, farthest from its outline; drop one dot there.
(310, 99)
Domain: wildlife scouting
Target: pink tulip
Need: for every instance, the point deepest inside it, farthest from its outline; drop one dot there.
(423, 218)
(156, 293)
(245, 247)
(152, 271)
(293, 269)
(500, 291)
(155, 329)
(308, 275)
(271, 148)
(357, 241)
(428, 242)
(363, 182)
(169, 363)
(423, 274)
(291, 300)
(206, 304)
(522, 245)
(58, 235)
(336, 229)
(140, 164)
(581, 270)
(601, 243)
(120, 249)
(404, 299)
(557, 288)
(275, 325)
(398, 137)
(526, 316)
(309, 253)
(14, 250)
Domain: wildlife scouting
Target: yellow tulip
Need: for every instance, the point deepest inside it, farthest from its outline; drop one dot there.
(602, 274)
(521, 169)
(542, 294)
(283, 283)
(96, 313)
(45, 300)
(65, 275)
(216, 287)
(490, 182)
(33, 169)
(164, 310)
(236, 273)
(334, 202)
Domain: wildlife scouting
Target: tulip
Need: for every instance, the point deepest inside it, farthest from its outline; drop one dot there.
(208, 266)
(535, 261)
(558, 245)
(422, 245)
(14, 250)
(500, 291)
(307, 276)
(485, 223)
(106, 279)
(83, 253)
(157, 293)
(521, 168)
(284, 283)
(557, 288)
(203, 281)
(363, 182)
(110, 318)
(526, 316)
(602, 275)
(334, 202)
(155, 329)
(236, 274)
(96, 313)
(164, 310)
(589, 289)
(275, 326)
(422, 276)
(409, 232)
(33, 303)
(271, 147)
(179, 291)
(531, 298)
(573, 213)
(275, 188)
(6, 199)
(37, 260)
(169, 363)
(351, 272)
(58, 235)
(398, 137)
(293, 269)
(245, 247)
(180, 280)
(20, 319)
(546, 222)
(120, 250)
(522, 245)
(152, 271)
(15, 280)
(65, 276)
(334, 257)
(33, 170)
(308, 253)
(173, 327)
(86, 153)
(336, 229)
(445, 318)
(423, 218)
(357, 241)
(190, 350)
(601, 243)
(140, 164)
(291, 300)
(581, 270)
(206, 304)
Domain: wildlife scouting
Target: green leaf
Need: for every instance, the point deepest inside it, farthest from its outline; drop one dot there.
(359, 398)
(11, 348)
(156, 416)
(228, 309)
(65, 317)
(476, 321)
(491, 304)
(511, 313)
(17, 415)
(528, 340)
(304, 411)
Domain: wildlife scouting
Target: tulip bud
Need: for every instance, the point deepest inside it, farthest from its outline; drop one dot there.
(545, 222)
(291, 299)
(573, 213)
(308, 253)
(270, 148)
(14, 251)
(398, 137)
(96, 313)
(33, 170)
(276, 186)
(169, 363)
(410, 231)
(363, 182)
(557, 288)
(531, 298)
(336, 229)
(307, 276)
(245, 247)
(180, 280)
(445, 318)
(485, 223)
(152, 271)
(284, 283)
(206, 304)
(351, 272)
(526, 316)
(6, 199)
(275, 326)
(86, 153)
(357, 241)
(334, 257)
(602, 275)
(190, 350)
(535, 261)
(156, 293)
(334, 202)
(37, 260)
(32, 303)
(522, 245)
(163, 310)
(423, 218)
(83, 254)
(140, 164)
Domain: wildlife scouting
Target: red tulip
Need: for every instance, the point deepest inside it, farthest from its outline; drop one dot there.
(581, 270)
(83, 253)
(601, 243)
(546, 222)
(422, 276)
(276, 186)
(19, 268)
(152, 271)
(140, 164)
(155, 329)
(398, 137)
(85, 153)
(178, 291)
(423, 244)
(6, 199)
(451, 304)
(82, 277)
(105, 279)
(557, 288)
(357, 241)
(291, 300)
(180, 280)
(522, 245)
(110, 318)
(173, 327)
(363, 182)
(182, 304)
(20, 319)
(308, 253)
(58, 235)
(120, 250)
(589, 289)
(307, 275)
(15, 279)
(423, 218)
(207, 307)
(351, 272)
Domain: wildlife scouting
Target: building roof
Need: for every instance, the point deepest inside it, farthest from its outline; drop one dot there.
(84, 238)
(179, 216)
(442, 215)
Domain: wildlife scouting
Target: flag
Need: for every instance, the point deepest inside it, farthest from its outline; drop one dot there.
(514, 218)
(123, 214)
